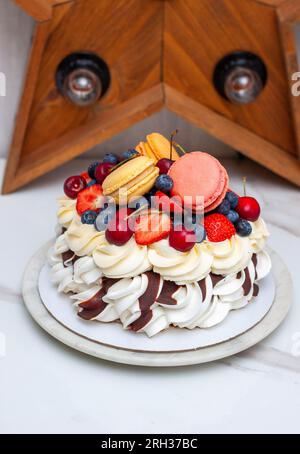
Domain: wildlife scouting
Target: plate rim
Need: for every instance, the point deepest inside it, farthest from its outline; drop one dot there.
(272, 319)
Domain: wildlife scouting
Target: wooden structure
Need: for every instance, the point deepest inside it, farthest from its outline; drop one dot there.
(160, 53)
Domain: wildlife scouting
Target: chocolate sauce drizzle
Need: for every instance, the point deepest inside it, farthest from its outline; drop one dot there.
(146, 301)
(69, 256)
(202, 285)
(167, 292)
(95, 305)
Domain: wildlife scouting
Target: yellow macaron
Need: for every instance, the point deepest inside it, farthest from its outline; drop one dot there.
(157, 147)
(131, 179)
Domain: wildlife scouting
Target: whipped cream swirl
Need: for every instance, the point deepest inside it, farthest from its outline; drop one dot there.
(83, 239)
(178, 266)
(128, 260)
(259, 235)
(230, 256)
(66, 211)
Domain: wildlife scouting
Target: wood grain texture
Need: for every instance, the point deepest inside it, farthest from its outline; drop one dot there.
(39, 39)
(40, 10)
(256, 148)
(132, 53)
(107, 124)
(288, 14)
(159, 52)
(198, 34)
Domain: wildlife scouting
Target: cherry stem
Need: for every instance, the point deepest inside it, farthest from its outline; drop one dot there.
(171, 142)
(244, 185)
(180, 147)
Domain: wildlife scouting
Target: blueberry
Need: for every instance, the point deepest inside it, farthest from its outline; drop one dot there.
(243, 227)
(129, 153)
(138, 202)
(200, 233)
(232, 199)
(150, 194)
(224, 207)
(88, 217)
(91, 183)
(91, 169)
(164, 183)
(192, 219)
(104, 217)
(232, 216)
(111, 158)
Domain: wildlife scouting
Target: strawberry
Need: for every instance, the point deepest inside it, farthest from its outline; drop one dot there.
(164, 203)
(86, 176)
(151, 226)
(89, 199)
(218, 227)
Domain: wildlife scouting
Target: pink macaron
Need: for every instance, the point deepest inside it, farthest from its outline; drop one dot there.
(200, 181)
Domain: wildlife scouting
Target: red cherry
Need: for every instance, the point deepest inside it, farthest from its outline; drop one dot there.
(164, 164)
(73, 185)
(119, 229)
(102, 170)
(183, 240)
(248, 208)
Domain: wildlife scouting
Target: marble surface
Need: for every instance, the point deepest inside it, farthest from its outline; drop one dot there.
(47, 387)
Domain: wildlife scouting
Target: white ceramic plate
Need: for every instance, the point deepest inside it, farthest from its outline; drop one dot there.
(242, 328)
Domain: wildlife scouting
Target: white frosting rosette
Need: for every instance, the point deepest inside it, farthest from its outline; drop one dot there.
(178, 266)
(66, 211)
(128, 260)
(83, 239)
(259, 235)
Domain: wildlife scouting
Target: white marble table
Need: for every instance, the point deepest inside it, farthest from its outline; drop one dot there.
(46, 387)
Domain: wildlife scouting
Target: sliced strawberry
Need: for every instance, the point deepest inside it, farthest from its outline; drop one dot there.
(86, 176)
(164, 203)
(151, 227)
(89, 199)
(218, 227)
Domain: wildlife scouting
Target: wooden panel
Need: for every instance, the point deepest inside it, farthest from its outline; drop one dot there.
(254, 147)
(39, 39)
(199, 33)
(129, 40)
(40, 10)
(288, 14)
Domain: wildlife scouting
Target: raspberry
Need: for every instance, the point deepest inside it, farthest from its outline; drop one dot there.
(218, 227)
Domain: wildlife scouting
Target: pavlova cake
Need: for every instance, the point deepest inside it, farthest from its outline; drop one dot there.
(155, 238)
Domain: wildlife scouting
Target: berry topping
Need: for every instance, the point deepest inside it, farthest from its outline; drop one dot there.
(182, 239)
(164, 183)
(86, 176)
(164, 203)
(243, 227)
(151, 226)
(164, 164)
(105, 216)
(91, 183)
(218, 227)
(88, 217)
(129, 153)
(232, 216)
(89, 199)
(111, 158)
(232, 199)
(73, 185)
(248, 208)
(224, 207)
(119, 231)
(91, 169)
(102, 171)
(200, 233)
(138, 202)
